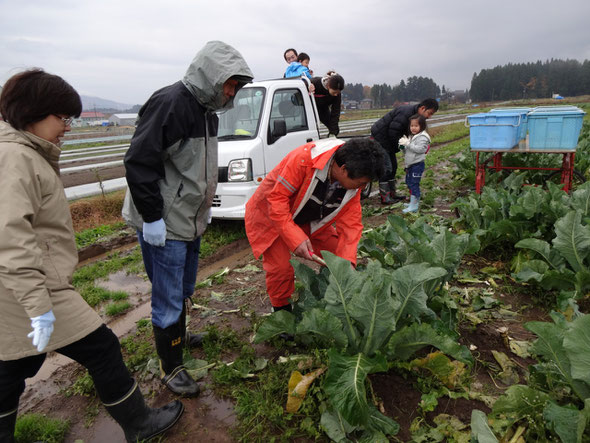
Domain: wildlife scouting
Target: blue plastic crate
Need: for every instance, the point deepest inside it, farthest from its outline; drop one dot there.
(494, 130)
(557, 128)
(523, 118)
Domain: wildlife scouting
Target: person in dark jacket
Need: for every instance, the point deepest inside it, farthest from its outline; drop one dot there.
(387, 131)
(171, 170)
(328, 99)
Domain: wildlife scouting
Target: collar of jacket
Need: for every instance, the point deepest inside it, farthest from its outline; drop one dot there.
(47, 150)
(321, 152)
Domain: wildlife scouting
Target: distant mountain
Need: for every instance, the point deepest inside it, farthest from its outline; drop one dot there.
(92, 103)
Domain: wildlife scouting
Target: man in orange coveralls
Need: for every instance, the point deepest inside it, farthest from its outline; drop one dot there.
(308, 203)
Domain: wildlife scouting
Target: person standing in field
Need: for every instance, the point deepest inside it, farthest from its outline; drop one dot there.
(308, 203)
(387, 131)
(327, 93)
(40, 311)
(415, 148)
(171, 170)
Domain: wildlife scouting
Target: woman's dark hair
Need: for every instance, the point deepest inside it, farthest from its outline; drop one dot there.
(421, 121)
(335, 81)
(362, 156)
(30, 96)
(302, 56)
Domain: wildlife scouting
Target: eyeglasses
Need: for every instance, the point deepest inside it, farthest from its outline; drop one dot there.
(67, 120)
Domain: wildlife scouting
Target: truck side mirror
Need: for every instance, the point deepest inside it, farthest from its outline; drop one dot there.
(279, 130)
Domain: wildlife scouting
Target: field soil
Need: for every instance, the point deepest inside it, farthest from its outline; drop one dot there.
(210, 417)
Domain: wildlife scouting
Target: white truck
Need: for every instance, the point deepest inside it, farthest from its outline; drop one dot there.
(269, 119)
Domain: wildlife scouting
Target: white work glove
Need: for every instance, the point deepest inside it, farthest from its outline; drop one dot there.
(42, 329)
(155, 232)
(404, 141)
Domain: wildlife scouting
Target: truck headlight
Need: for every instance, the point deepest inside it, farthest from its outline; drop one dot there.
(239, 170)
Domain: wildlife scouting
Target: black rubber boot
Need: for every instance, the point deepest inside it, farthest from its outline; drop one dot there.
(7, 423)
(140, 422)
(385, 194)
(189, 339)
(392, 195)
(174, 375)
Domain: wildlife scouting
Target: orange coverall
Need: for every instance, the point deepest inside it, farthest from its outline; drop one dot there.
(270, 214)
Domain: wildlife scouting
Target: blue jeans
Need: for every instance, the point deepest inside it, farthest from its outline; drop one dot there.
(413, 177)
(172, 269)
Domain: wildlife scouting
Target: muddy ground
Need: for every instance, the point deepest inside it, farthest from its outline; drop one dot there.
(210, 418)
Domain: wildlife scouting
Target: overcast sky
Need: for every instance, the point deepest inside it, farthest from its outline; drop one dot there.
(124, 50)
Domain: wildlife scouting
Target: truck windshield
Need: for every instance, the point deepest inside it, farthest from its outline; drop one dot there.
(242, 121)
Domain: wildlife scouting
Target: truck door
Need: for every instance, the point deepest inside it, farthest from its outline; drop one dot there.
(287, 105)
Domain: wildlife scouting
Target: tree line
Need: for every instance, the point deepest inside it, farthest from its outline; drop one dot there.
(509, 82)
(532, 80)
(413, 89)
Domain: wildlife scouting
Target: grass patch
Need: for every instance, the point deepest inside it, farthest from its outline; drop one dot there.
(94, 295)
(260, 407)
(37, 427)
(447, 133)
(138, 348)
(92, 235)
(117, 308)
(220, 233)
(114, 262)
(217, 341)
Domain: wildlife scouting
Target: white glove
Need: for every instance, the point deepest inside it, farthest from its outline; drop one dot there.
(405, 141)
(155, 232)
(42, 329)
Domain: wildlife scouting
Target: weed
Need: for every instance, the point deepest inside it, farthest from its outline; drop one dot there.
(138, 348)
(115, 262)
(84, 385)
(117, 308)
(219, 341)
(90, 236)
(220, 233)
(37, 427)
(95, 295)
(260, 408)
(91, 413)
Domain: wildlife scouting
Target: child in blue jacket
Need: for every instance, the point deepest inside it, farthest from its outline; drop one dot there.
(299, 68)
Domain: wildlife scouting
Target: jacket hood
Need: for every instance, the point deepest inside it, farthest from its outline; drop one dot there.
(215, 63)
(48, 150)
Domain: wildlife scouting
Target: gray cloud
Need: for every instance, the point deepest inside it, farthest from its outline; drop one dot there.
(124, 51)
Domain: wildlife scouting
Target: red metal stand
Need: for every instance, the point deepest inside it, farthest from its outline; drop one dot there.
(567, 164)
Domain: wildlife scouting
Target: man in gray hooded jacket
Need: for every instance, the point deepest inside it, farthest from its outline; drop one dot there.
(171, 170)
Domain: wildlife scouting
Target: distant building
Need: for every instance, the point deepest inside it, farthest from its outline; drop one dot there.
(123, 119)
(366, 103)
(90, 118)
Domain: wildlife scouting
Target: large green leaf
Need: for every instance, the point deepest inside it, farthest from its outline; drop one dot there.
(412, 338)
(521, 401)
(314, 285)
(567, 422)
(549, 345)
(335, 426)
(572, 239)
(581, 199)
(445, 250)
(541, 247)
(576, 343)
(344, 283)
(380, 423)
(373, 308)
(325, 329)
(480, 429)
(530, 202)
(410, 298)
(345, 384)
(279, 322)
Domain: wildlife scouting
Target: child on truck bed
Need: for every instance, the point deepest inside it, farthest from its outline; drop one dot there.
(416, 148)
(299, 68)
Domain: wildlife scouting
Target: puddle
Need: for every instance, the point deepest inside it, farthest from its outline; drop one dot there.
(132, 284)
(220, 409)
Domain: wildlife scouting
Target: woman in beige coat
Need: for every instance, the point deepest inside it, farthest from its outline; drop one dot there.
(39, 309)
